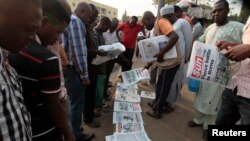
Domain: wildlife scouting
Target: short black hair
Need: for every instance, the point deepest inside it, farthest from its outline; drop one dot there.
(177, 8)
(224, 2)
(105, 21)
(57, 11)
(134, 17)
(93, 7)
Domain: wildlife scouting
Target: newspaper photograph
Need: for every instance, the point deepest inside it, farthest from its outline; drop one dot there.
(126, 90)
(129, 127)
(208, 64)
(126, 116)
(140, 136)
(134, 98)
(113, 51)
(127, 86)
(133, 76)
(126, 107)
(110, 138)
(149, 47)
(149, 95)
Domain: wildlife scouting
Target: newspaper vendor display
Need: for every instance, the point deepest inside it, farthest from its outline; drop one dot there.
(129, 126)
(139, 136)
(124, 116)
(150, 47)
(208, 64)
(133, 76)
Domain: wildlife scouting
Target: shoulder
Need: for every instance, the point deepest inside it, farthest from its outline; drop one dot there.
(236, 24)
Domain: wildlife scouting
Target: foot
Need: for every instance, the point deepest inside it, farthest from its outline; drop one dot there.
(94, 124)
(168, 110)
(193, 124)
(204, 136)
(154, 114)
(86, 137)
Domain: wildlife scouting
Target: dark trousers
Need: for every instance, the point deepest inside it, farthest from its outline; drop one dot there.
(163, 85)
(128, 54)
(90, 94)
(53, 135)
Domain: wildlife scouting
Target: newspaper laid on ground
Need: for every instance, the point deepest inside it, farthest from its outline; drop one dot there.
(129, 127)
(127, 86)
(149, 95)
(126, 107)
(149, 47)
(128, 98)
(113, 51)
(139, 136)
(126, 90)
(110, 138)
(125, 116)
(207, 63)
(133, 76)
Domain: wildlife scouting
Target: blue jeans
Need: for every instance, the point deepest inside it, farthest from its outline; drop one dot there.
(233, 108)
(76, 93)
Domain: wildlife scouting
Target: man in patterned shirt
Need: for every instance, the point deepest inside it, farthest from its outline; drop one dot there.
(15, 31)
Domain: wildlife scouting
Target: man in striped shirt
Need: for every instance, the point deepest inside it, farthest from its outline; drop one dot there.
(15, 30)
(39, 70)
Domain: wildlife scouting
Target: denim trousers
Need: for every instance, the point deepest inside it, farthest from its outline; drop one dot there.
(233, 108)
(76, 93)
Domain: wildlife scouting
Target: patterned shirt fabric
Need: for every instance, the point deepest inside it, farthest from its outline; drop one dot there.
(241, 79)
(38, 68)
(129, 34)
(14, 118)
(75, 46)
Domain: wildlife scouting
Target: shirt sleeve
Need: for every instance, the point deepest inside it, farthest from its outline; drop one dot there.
(77, 47)
(120, 27)
(165, 26)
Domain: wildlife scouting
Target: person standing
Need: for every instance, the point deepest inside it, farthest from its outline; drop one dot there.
(130, 31)
(15, 32)
(207, 102)
(197, 28)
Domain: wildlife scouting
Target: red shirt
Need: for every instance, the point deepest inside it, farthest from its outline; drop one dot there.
(129, 35)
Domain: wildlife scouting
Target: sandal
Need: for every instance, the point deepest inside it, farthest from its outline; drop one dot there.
(154, 114)
(193, 124)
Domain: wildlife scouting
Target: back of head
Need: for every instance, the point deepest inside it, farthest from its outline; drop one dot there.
(83, 11)
(194, 20)
(148, 20)
(105, 24)
(94, 13)
(178, 11)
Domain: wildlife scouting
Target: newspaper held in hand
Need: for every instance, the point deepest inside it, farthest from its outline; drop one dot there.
(139, 136)
(133, 76)
(110, 138)
(150, 47)
(113, 51)
(129, 127)
(149, 95)
(208, 64)
(124, 116)
(126, 107)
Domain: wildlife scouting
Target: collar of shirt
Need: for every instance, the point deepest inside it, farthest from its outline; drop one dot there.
(38, 40)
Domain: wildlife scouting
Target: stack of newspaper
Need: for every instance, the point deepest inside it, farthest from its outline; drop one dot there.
(127, 115)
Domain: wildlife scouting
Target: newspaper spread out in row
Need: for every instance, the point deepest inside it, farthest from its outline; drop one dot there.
(126, 90)
(149, 95)
(139, 136)
(133, 76)
(125, 116)
(127, 107)
(110, 138)
(112, 50)
(129, 127)
(149, 47)
(127, 86)
(208, 64)
(128, 98)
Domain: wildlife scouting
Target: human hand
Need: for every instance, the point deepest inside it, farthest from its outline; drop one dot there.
(159, 57)
(239, 52)
(148, 66)
(102, 53)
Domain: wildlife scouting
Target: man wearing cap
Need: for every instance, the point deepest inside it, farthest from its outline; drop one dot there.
(168, 68)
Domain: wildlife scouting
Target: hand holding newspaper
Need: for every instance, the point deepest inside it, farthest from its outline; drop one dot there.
(208, 64)
(113, 51)
(133, 76)
(150, 47)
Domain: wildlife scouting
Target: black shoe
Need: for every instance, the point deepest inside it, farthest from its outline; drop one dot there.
(94, 124)
(86, 137)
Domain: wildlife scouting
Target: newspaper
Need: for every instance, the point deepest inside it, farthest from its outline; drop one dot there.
(110, 138)
(133, 76)
(139, 136)
(113, 51)
(128, 98)
(208, 64)
(127, 86)
(126, 107)
(124, 116)
(129, 127)
(150, 47)
(149, 95)
(126, 90)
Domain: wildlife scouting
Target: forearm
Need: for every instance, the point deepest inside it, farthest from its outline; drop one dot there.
(172, 41)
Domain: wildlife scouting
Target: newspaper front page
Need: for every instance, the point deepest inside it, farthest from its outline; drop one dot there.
(128, 98)
(126, 107)
(149, 47)
(140, 136)
(124, 116)
(133, 76)
(208, 64)
(149, 95)
(129, 127)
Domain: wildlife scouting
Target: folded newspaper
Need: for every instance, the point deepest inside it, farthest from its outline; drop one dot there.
(148, 48)
(139, 136)
(122, 85)
(110, 138)
(208, 64)
(125, 116)
(112, 50)
(128, 98)
(133, 76)
(149, 95)
(129, 127)
(126, 107)
(126, 90)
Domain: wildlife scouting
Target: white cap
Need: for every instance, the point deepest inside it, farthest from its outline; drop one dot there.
(167, 9)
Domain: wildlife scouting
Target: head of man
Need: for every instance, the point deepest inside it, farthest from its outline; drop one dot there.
(94, 13)
(178, 11)
(133, 20)
(220, 12)
(114, 25)
(104, 24)
(167, 12)
(83, 11)
(56, 16)
(148, 20)
(19, 21)
(194, 20)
